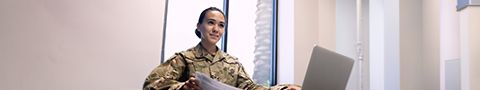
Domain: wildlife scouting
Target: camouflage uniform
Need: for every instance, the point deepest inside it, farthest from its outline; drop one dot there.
(222, 67)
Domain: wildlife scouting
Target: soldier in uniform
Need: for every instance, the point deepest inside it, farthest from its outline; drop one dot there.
(177, 73)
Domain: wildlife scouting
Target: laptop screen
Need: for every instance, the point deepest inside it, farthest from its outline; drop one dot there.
(327, 70)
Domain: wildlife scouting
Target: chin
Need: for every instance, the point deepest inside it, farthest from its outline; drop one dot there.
(213, 41)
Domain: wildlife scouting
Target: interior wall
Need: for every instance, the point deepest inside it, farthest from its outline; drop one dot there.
(449, 45)
(285, 49)
(314, 23)
(327, 24)
(474, 46)
(464, 50)
(411, 26)
(449, 30)
(470, 50)
(431, 45)
(392, 45)
(365, 27)
(79, 44)
(346, 36)
(346, 28)
(305, 35)
(377, 42)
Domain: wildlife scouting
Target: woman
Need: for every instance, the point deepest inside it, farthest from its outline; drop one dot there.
(178, 72)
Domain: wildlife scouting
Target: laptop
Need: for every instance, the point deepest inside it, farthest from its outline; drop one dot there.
(327, 70)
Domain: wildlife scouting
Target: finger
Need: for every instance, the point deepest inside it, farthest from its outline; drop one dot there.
(293, 88)
(194, 83)
(186, 86)
(289, 88)
(193, 80)
(196, 87)
(189, 84)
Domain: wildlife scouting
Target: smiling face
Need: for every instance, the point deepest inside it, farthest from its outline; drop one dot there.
(212, 27)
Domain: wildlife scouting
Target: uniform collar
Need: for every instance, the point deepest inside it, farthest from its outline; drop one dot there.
(201, 52)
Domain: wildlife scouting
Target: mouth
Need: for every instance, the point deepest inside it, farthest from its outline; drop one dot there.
(215, 36)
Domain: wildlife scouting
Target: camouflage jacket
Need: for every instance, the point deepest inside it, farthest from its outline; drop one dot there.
(223, 67)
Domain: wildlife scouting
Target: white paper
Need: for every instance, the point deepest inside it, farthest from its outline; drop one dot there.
(206, 83)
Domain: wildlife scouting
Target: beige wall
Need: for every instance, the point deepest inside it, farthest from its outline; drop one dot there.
(305, 35)
(419, 45)
(314, 23)
(78, 44)
(474, 46)
(431, 45)
(470, 50)
(420, 41)
(326, 24)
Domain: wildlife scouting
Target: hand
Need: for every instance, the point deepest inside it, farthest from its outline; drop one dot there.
(293, 88)
(191, 84)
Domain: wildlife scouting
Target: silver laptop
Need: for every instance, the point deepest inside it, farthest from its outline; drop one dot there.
(327, 70)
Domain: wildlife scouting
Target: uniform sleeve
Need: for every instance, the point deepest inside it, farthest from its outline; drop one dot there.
(166, 75)
(246, 83)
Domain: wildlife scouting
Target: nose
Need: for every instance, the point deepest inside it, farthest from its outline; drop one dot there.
(215, 29)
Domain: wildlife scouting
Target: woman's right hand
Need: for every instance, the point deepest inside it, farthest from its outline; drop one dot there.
(191, 84)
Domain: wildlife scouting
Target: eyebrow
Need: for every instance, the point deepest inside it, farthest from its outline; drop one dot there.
(222, 22)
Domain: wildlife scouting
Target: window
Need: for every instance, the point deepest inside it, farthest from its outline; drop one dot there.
(250, 34)
(181, 19)
(252, 38)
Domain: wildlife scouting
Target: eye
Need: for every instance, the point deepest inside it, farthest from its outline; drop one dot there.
(222, 25)
(210, 22)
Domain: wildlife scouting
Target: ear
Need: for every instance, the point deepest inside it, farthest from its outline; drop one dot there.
(198, 25)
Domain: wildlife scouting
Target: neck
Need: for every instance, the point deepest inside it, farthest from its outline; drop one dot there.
(211, 48)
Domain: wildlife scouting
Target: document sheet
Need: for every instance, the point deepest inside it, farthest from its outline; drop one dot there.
(207, 83)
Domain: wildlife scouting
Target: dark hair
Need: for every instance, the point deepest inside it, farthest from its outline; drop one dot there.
(202, 16)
